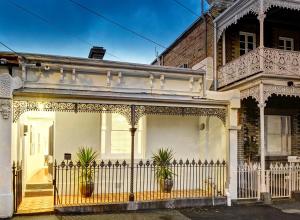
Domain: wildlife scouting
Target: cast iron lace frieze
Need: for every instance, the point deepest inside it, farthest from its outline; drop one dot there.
(20, 107)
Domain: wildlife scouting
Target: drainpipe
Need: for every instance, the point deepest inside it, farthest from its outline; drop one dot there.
(215, 57)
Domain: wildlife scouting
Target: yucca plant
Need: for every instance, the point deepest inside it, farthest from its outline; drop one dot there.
(86, 156)
(163, 172)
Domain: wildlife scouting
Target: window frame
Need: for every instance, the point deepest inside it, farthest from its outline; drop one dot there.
(106, 135)
(247, 34)
(285, 39)
(285, 150)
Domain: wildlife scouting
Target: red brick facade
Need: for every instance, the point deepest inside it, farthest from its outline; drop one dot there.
(195, 45)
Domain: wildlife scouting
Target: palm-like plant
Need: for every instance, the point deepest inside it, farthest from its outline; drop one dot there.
(163, 159)
(86, 156)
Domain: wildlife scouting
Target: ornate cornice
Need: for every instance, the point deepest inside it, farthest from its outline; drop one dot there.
(20, 107)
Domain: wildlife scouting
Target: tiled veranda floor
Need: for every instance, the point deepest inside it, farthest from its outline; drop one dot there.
(36, 204)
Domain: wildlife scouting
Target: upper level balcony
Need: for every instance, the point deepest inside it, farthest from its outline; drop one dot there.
(257, 37)
(270, 61)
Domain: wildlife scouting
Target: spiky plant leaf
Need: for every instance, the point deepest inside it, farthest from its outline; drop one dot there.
(163, 159)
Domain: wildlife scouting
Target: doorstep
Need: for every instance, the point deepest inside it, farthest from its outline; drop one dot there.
(143, 205)
(36, 205)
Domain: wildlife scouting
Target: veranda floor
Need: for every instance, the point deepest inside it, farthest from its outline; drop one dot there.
(36, 205)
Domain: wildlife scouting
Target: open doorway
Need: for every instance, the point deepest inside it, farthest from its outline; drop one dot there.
(34, 141)
(38, 149)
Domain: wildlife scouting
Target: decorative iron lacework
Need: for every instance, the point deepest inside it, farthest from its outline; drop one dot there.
(276, 63)
(270, 90)
(240, 68)
(19, 107)
(280, 90)
(251, 92)
(244, 7)
(184, 111)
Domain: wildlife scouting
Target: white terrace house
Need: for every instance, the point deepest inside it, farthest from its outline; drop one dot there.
(257, 44)
(52, 105)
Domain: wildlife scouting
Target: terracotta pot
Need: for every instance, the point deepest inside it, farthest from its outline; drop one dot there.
(166, 185)
(87, 189)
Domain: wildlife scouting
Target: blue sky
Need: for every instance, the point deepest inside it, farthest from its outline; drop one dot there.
(160, 20)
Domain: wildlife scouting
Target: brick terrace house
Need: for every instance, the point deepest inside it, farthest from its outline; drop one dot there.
(254, 46)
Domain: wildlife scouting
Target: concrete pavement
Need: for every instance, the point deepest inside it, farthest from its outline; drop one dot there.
(286, 210)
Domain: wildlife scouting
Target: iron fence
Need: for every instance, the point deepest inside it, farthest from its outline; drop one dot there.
(280, 180)
(109, 182)
(17, 184)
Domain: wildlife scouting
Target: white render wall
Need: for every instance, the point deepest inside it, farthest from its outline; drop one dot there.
(190, 137)
(182, 134)
(212, 139)
(175, 132)
(72, 131)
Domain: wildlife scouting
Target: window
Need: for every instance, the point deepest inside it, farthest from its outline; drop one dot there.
(278, 135)
(120, 136)
(286, 43)
(247, 42)
(116, 138)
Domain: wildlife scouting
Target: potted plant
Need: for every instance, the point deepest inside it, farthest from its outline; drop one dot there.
(163, 171)
(86, 156)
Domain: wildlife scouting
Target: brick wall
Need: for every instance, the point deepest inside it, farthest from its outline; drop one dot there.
(249, 120)
(192, 47)
(196, 43)
(296, 134)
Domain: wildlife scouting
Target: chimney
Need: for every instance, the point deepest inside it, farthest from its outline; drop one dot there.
(97, 53)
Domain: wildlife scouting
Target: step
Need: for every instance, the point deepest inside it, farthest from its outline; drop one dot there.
(37, 193)
(296, 195)
(32, 186)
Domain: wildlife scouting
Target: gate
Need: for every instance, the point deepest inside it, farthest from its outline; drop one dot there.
(280, 180)
(17, 184)
(248, 181)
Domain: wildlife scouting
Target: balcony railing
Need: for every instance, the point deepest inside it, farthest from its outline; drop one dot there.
(271, 61)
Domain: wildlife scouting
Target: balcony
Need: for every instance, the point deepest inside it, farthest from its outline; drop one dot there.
(270, 61)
